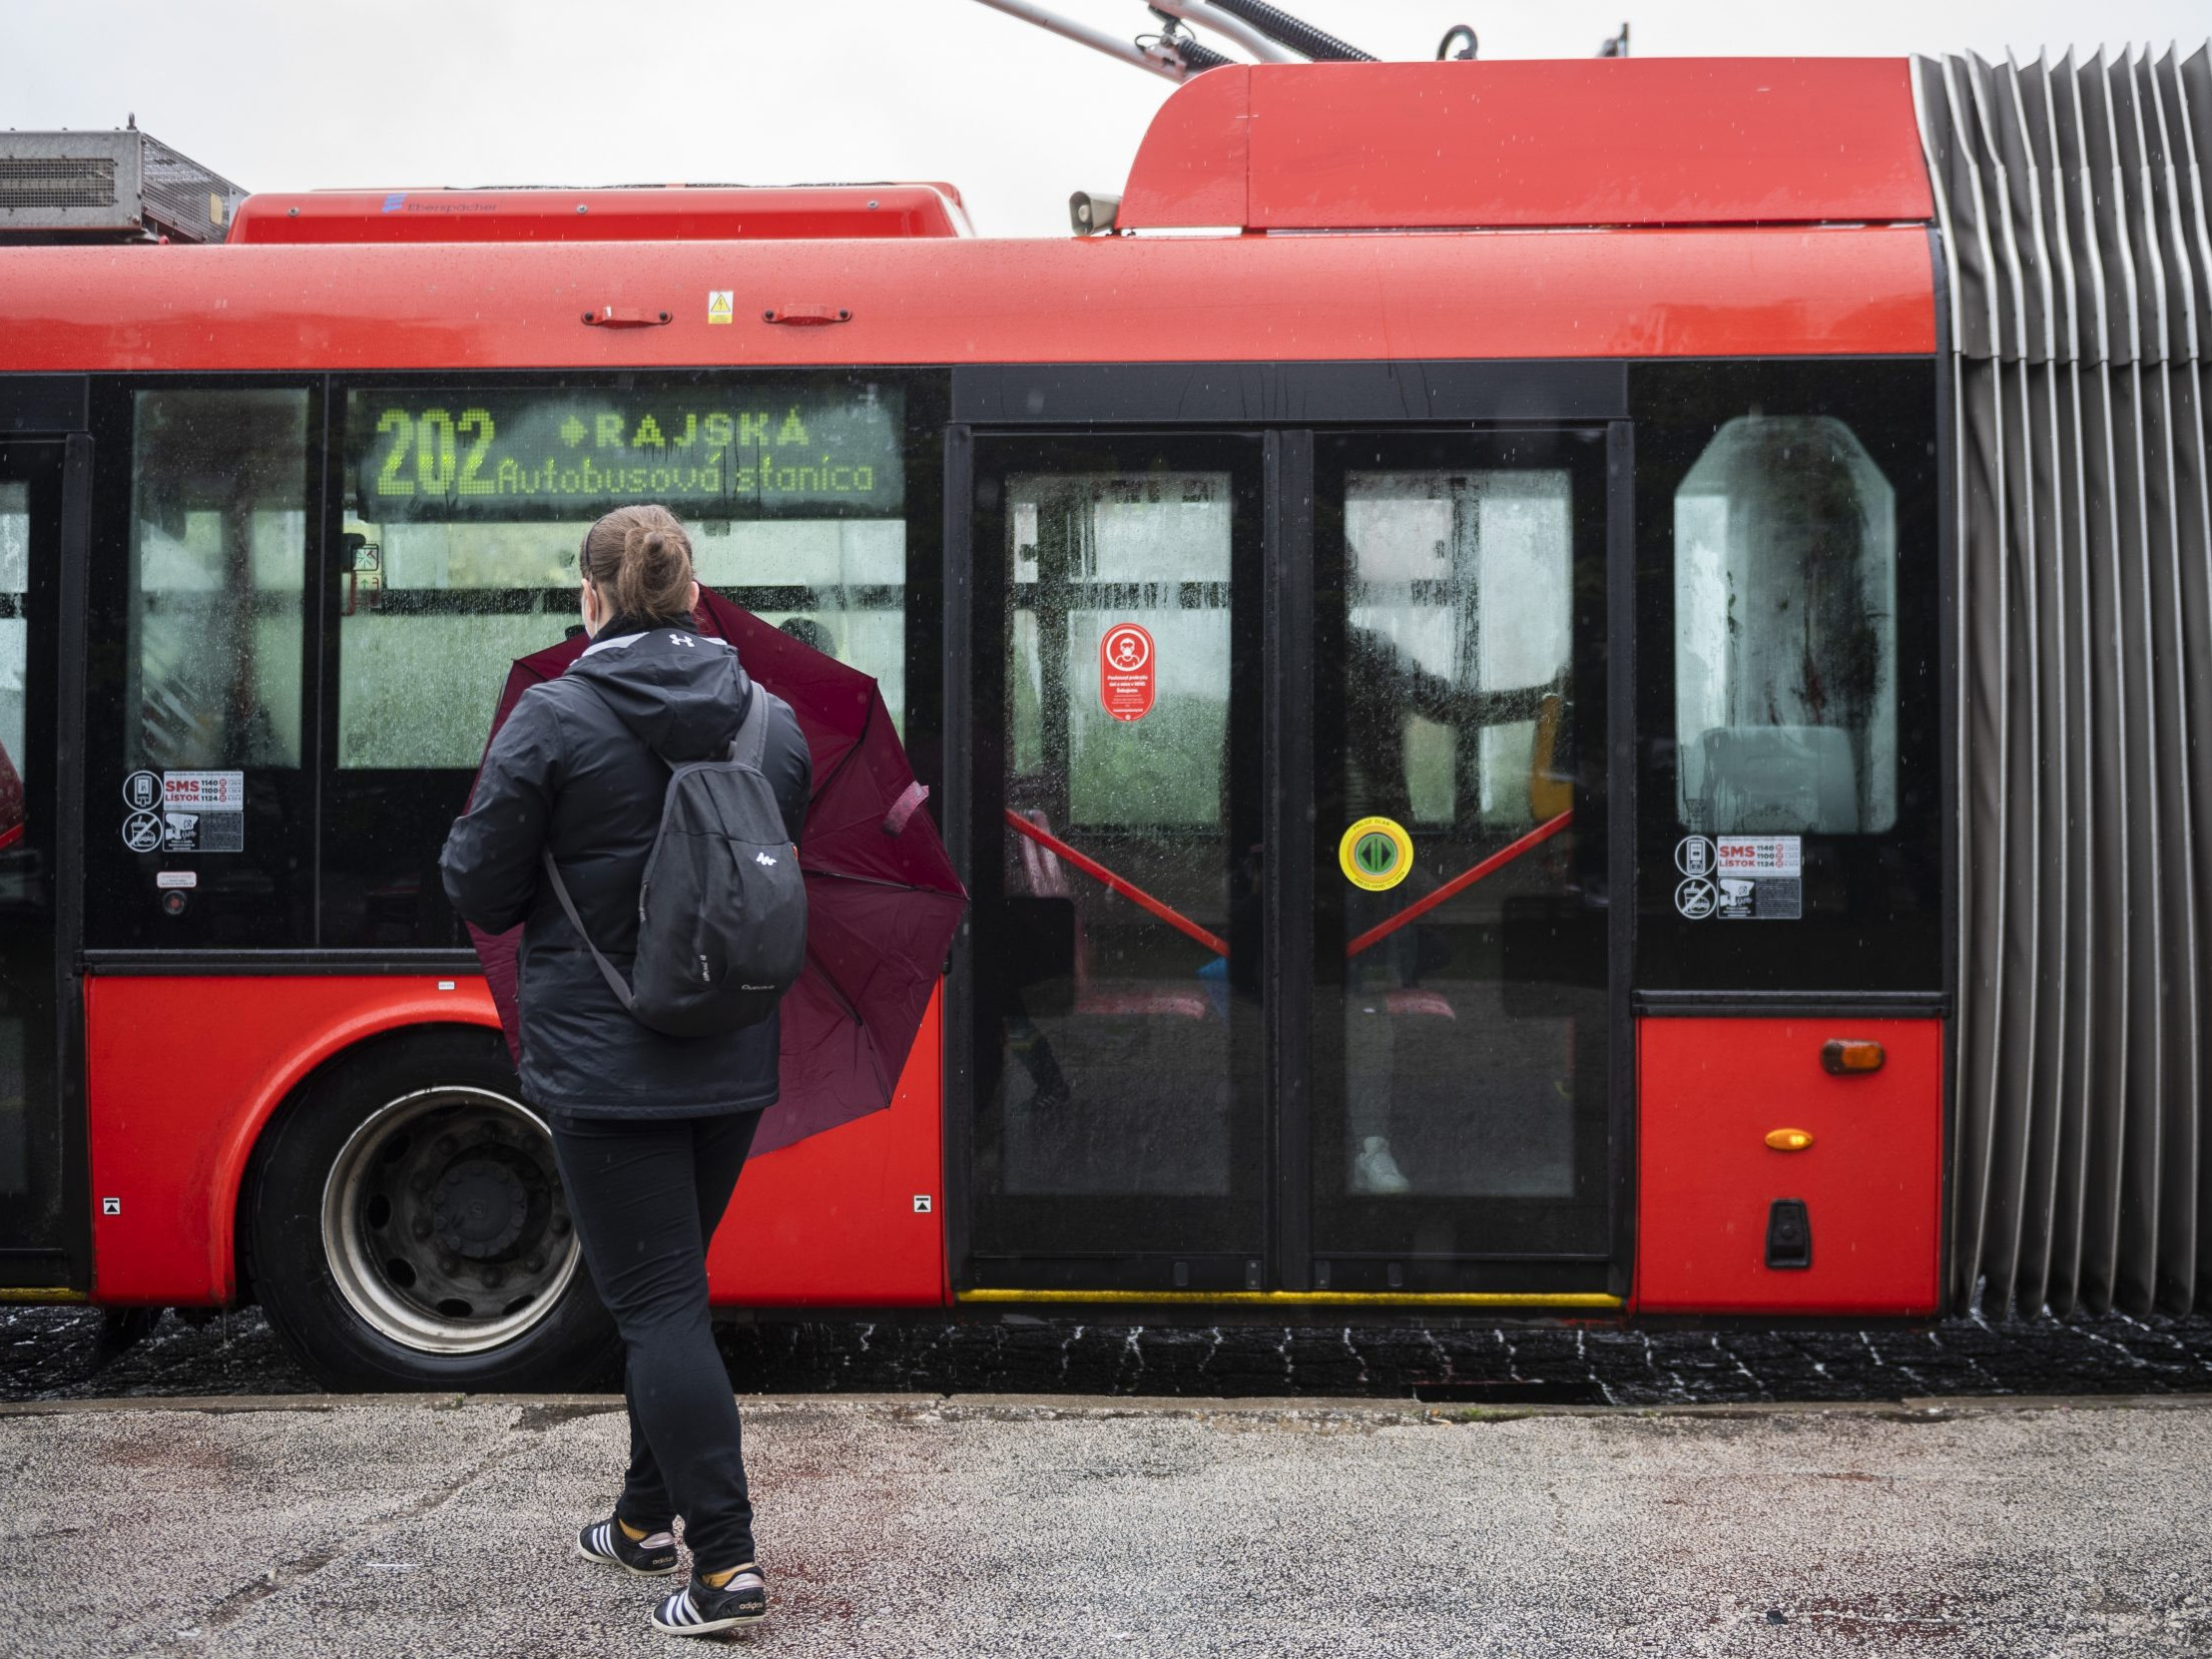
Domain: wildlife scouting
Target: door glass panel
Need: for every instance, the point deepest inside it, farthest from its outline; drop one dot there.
(31, 1211)
(1118, 1073)
(1462, 1052)
(15, 641)
(17, 1000)
(1133, 1032)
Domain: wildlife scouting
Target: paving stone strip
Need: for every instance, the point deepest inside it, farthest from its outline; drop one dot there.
(61, 1353)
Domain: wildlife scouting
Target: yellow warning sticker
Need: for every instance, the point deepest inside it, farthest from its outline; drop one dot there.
(719, 308)
(1376, 854)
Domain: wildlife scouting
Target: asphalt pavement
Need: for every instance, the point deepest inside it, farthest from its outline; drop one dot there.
(1116, 1527)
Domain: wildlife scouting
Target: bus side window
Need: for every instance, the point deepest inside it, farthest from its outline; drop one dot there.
(462, 515)
(217, 605)
(1786, 682)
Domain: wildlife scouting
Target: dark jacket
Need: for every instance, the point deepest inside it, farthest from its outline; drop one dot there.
(581, 765)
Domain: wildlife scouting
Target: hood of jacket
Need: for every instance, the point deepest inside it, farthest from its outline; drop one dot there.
(683, 694)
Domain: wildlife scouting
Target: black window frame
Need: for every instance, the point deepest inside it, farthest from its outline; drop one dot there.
(1873, 918)
(439, 794)
(128, 930)
(124, 913)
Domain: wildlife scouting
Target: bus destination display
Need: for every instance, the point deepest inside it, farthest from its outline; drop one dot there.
(740, 452)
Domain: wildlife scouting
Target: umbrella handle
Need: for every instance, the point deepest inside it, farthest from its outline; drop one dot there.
(895, 821)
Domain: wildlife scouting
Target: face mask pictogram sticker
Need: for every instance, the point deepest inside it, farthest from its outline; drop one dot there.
(1128, 676)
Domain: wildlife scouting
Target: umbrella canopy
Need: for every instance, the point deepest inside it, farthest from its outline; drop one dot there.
(881, 898)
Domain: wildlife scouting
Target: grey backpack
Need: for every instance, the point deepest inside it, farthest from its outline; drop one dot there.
(722, 913)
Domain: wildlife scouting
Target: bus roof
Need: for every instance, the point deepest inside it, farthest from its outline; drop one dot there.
(1600, 209)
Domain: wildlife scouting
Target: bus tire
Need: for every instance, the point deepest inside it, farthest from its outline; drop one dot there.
(405, 1228)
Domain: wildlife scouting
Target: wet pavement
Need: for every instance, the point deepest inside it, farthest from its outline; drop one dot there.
(64, 1352)
(1114, 1527)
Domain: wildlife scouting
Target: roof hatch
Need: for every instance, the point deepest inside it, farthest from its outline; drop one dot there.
(1471, 145)
(653, 213)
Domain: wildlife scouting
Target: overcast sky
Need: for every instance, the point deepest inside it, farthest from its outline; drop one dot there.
(300, 93)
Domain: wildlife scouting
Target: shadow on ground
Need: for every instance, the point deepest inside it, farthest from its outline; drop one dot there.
(65, 1353)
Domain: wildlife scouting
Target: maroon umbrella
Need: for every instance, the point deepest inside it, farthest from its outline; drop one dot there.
(881, 898)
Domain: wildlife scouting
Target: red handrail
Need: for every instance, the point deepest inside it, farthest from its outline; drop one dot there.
(1183, 924)
(1128, 890)
(1462, 882)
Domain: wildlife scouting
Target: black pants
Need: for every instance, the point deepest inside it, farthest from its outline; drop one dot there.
(645, 1197)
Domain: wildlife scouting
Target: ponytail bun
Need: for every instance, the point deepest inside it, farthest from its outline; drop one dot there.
(640, 559)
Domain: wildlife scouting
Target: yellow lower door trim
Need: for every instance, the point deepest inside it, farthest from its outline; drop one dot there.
(1532, 1301)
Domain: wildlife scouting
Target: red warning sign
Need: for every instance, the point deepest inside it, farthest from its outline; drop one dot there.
(1125, 670)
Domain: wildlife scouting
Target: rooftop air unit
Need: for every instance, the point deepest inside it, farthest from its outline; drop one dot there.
(108, 186)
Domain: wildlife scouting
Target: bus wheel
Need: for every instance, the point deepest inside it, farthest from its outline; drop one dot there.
(405, 1227)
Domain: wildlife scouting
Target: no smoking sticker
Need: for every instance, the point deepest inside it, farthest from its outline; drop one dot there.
(1376, 854)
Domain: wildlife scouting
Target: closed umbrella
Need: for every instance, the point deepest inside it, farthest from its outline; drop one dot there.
(881, 898)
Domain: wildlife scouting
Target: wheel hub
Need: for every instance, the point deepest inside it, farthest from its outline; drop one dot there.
(444, 1223)
(481, 1207)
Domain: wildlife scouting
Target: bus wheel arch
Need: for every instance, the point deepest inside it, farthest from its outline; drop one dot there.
(401, 1224)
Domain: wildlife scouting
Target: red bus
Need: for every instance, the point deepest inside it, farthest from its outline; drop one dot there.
(1557, 684)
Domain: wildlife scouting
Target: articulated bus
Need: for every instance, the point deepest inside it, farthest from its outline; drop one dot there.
(1570, 691)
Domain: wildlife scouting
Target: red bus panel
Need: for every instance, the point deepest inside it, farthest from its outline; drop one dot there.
(455, 308)
(1869, 1177)
(1643, 141)
(850, 1218)
(184, 1074)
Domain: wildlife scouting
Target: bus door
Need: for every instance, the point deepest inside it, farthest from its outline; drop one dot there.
(1119, 1114)
(1458, 1053)
(1287, 844)
(37, 1221)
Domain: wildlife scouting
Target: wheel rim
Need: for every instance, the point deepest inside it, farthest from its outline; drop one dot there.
(444, 1222)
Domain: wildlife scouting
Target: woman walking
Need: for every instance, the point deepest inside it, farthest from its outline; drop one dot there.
(650, 1131)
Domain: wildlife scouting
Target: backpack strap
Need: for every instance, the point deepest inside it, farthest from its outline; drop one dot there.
(750, 747)
(614, 982)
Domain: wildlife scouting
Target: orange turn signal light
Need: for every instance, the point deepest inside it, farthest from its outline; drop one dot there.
(1846, 1057)
(1788, 1140)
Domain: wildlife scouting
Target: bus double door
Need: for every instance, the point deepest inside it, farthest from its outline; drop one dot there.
(1286, 820)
